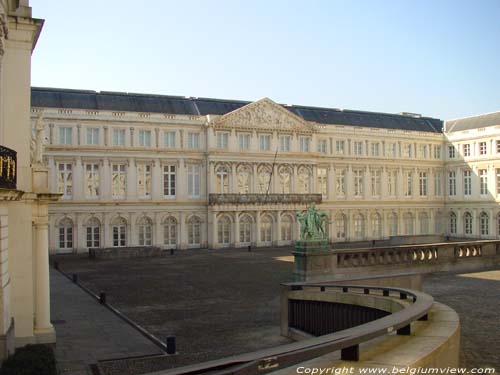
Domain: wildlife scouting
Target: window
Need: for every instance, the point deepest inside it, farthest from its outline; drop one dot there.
(265, 142)
(340, 182)
(118, 137)
(391, 150)
(224, 231)
(340, 227)
(408, 187)
(264, 180)
(358, 148)
(375, 182)
(322, 146)
(451, 152)
(466, 148)
(484, 224)
(322, 181)
(285, 143)
(498, 146)
(66, 234)
(482, 148)
(375, 147)
(468, 223)
(437, 152)
(359, 226)
(194, 231)
(119, 230)
(222, 139)
(340, 147)
(452, 183)
(92, 180)
(266, 230)
(65, 179)
(438, 190)
(93, 229)
(393, 224)
(222, 176)
(467, 183)
(118, 180)
(145, 138)
(304, 181)
(193, 140)
(144, 180)
(92, 136)
(244, 141)
(285, 180)
(453, 223)
(169, 181)
(169, 139)
(483, 181)
(244, 175)
(304, 144)
(286, 228)
(358, 182)
(193, 175)
(145, 232)
(246, 229)
(65, 136)
(392, 182)
(422, 183)
(170, 232)
(407, 150)
(422, 151)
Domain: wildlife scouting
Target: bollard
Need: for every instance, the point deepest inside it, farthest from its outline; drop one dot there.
(75, 278)
(56, 265)
(171, 251)
(249, 248)
(171, 349)
(102, 298)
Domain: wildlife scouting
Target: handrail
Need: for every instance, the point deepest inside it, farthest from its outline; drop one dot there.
(266, 360)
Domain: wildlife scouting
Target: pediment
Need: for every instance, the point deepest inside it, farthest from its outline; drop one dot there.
(264, 114)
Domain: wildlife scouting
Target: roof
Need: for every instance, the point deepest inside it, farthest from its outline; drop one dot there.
(473, 122)
(180, 105)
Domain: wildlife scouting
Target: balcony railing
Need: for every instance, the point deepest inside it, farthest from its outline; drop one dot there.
(263, 198)
(8, 168)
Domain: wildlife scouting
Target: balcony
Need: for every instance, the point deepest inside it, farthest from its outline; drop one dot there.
(8, 168)
(263, 198)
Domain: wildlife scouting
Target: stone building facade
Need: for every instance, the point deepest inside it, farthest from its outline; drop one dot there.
(175, 172)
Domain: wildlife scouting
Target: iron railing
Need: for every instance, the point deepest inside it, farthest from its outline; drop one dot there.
(263, 198)
(8, 168)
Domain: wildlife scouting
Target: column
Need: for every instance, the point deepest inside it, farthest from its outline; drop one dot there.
(182, 188)
(157, 230)
(182, 235)
(131, 190)
(383, 182)
(349, 183)
(233, 187)
(106, 180)
(415, 183)
(460, 226)
(157, 137)
(257, 228)
(332, 192)
(400, 183)
(52, 175)
(255, 178)
(131, 138)
(314, 184)
(295, 180)
(78, 180)
(236, 236)
(51, 134)
(278, 228)
(42, 298)
(79, 135)
(106, 136)
(367, 183)
(156, 181)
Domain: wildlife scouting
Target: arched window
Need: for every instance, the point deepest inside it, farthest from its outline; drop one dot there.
(359, 226)
(453, 223)
(468, 223)
(304, 181)
(376, 225)
(393, 224)
(286, 228)
(244, 180)
(266, 230)
(484, 224)
(246, 229)
(93, 230)
(145, 231)
(224, 231)
(194, 231)
(170, 232)
(424, 223)
(66, 233)
(285, 180)
(340, 227)
(119, 230)
(264, 180)
(222, 175)
(408, 223)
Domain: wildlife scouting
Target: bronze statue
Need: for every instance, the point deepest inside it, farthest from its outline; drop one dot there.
(311, 224)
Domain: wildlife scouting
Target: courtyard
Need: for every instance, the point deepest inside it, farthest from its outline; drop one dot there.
(225, 302)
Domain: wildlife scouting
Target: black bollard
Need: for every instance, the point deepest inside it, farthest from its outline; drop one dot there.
(75, 278)
(171, 349)
(249, 248)
(56, 265)
(171, 251)
(102, 298)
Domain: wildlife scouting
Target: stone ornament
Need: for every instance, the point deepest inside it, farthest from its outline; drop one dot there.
(37, 141)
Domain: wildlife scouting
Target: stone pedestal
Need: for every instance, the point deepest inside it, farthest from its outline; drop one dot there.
(41, 179)
(313, 260)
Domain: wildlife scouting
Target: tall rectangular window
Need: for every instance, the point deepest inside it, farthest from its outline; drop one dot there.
(466, 149)
(375, 147)
(422, 151)
(305, 143)
(322, 181)
(65, 136)
(340, 182)
(118, 137)
(437, 151)
(169, 139)
(92, 136)
(118, 180)
(145, 138)
(407, 150)
(392, 177)
(376, 176)
(65, 179)
(408, 184)
(144, 180)
(451, 152)
(358, 182)
(482, 148)
(193, 176)
(422, 176)
(358, 148)
(483, 181)
(265, 142)
(285, 143)
(452, 183)
(322, 146)
(193, 140)
(467, 183)
(169, 181)
(438, 183)
(340, 147)
(222, 139)
(244, 141)
(391, 149)
(92, 180)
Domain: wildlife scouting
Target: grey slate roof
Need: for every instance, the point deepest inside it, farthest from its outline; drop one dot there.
(474, 122)
(179, 105)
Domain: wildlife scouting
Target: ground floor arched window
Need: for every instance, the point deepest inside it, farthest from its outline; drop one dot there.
(246, 229)
(170, 232)
(286, 228)
(119, 232)
(340, 227)
(93, 232)
(453, 223)
(484, 224)
(359, 226)
(468, 223)
(66, 234)
(266, 230)
(145, 232)
(224, 231)
(194, 231)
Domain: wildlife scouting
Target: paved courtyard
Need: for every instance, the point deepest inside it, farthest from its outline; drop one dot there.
(220, 303)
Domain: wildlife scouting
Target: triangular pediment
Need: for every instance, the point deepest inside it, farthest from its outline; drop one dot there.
(264, 114)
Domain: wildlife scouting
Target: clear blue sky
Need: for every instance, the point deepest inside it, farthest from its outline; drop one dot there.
(438, 58)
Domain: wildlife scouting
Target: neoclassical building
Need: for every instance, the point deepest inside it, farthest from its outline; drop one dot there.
(184, 172)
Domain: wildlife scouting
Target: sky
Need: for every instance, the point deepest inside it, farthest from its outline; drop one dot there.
(438, 58)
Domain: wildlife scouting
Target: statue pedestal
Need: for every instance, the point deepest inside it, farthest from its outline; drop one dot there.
(40, 179)
(313, 260)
